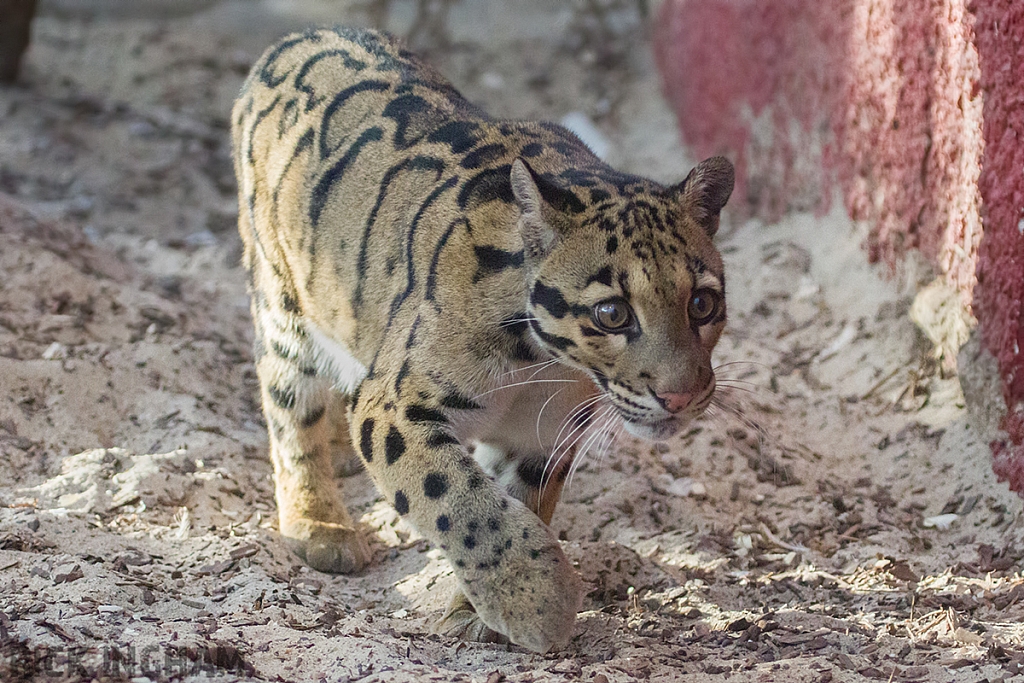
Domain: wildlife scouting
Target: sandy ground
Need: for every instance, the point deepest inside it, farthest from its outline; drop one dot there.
(840, 522)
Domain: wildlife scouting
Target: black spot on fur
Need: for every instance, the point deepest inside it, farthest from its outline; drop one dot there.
(418, 413)
(280, 350)
(473, 527)
(313, 416)
(603, 276)
(414, 117)
(394, 446)
(457, 401)
(531, 150)
(560, 343)
(550, 298)
(482, 156)
(469, 542)
(440, 437)
(443, 523)
(493, 524)
(490, 185)
(410, 341)
(290, 303)
(366, 439)
(559, 198)
(283, 398)
(401, 502)
(289, 117)
(531, 472)
(459, 135)
(435, 485)
(490, 260)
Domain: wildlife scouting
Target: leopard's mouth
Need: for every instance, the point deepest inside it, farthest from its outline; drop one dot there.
(655, 430)
(664, 427)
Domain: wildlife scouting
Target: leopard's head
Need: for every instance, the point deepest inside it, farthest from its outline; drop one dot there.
(629, 288)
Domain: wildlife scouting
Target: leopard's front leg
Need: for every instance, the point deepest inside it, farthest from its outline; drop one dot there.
(507, 562)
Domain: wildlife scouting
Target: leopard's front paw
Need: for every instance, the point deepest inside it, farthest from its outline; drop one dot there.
(532, 596)
(462, 621)
(327, 547)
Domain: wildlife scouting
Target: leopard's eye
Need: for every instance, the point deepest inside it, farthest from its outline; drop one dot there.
(703, 306)
(612, 315)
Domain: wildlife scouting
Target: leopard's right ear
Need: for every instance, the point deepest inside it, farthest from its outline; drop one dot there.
(706, 190)
(538, 235)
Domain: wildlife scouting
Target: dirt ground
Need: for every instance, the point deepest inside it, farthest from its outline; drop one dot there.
(839, 521)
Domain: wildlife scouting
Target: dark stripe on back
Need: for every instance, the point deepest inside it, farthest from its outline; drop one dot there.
(432, 273)
(267, 75)
(417, 163)
(335, 173)
(339, 101)
(410, 236)
(256, 121)
(300, 78)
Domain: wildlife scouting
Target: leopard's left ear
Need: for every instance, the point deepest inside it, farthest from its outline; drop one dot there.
(538, 235)
(705, 191)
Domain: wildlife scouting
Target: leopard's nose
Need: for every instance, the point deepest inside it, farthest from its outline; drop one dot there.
(675, 402)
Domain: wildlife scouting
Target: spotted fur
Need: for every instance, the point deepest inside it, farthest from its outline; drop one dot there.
(442, 293)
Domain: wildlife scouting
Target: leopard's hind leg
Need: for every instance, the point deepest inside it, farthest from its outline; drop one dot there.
(302, 411)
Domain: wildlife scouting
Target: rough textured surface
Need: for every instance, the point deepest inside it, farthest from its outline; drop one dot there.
(1000, 297)
(882, 101)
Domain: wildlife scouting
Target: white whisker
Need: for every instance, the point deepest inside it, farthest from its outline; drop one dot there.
(543, 364)
(571, 419)
(561, 450)
(518, 384)
(515, 321)
(584, 449)
(540, 413)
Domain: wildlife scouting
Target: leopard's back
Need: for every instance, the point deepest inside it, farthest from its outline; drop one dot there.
(364, 174)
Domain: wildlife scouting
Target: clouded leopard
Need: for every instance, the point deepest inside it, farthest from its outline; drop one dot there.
(467, 302)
